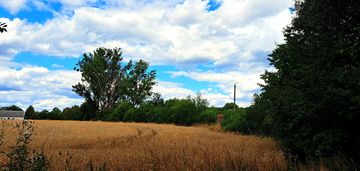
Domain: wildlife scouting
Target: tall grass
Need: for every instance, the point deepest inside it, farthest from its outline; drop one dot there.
(75, 145)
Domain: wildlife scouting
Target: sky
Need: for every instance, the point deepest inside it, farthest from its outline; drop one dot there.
(195, 46)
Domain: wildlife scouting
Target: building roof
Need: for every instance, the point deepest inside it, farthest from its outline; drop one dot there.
(11, 113)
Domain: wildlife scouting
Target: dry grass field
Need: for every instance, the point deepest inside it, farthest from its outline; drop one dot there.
(138, 146)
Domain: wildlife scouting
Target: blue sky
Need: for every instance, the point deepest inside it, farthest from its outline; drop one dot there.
(195, 45)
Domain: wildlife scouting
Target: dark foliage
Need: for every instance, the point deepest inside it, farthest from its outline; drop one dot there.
(102, 74)
(12, 107)
(234, 120)
(311, 104)
(19, 156)
(73, 113)
(230, 106)
(30, 112)
(137, 82)
(106, 81)
(3, 27)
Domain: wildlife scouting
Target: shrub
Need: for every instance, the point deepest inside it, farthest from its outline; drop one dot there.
(208, 116)
(119, 112)
(234, 121)
(19, 157)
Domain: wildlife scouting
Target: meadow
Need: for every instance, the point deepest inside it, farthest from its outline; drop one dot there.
(80, 145)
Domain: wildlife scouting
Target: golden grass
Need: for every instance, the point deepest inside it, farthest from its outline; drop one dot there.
(139, 146)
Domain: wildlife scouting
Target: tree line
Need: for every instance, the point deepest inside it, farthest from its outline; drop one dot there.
(311, 103)
(114, 91)
(186, 111)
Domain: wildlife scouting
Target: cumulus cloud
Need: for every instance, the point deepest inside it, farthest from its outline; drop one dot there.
(227, 41)
(176, 90)
(246, 85)
(172, 90)
(161, 34)
(38, 86)
(13, 6)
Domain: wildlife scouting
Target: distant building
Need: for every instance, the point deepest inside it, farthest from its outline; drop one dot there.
(11, 115)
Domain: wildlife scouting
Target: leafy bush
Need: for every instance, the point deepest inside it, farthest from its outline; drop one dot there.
(234, 120)
(73, 113)
(182, 112)
(44, 114)
(119, 112)
(19, 156)
(208, 116)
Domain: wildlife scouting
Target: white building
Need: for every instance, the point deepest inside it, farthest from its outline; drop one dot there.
(11, 115)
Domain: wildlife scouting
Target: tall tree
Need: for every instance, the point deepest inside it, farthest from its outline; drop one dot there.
(101, 73)
(313, 97)
(138, 83)
(30, 112)
(55, 113)
(105, 81)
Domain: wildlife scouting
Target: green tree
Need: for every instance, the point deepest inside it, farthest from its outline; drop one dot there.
(89, 110)
(3, 27)
(30, 112)
(101, 73)
(105, 82)
(55, 113)
(118, 113)
(313, 98)
(230, 106)
(156, 99)
(207, 116)
(12, 107)
(72, 113)
(200, 103)
(138, 83)
(44, 114)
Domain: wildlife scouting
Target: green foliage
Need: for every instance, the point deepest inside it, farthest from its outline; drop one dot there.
(106, 82)
(156, 100)
(39, 162)
(178, 111)
(234, 120)
(118, 113)
(44, 114)
(73, 113)
(30, 112)
(12, 107)
(135, 115)
(101, 77)
(19, 156)
(258, 118)
(137, 83)
(208, 116)
(182, 111)
(3, 27)
(88, 110)
(311, 102)
(55, 114)
(230, 106)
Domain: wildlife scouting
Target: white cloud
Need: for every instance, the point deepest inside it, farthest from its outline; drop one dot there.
(172, 90)
(246, 85)
(13, 6)
(57, 66)
(176, 90)
(163, 34)
(180, 33)
(38, 86)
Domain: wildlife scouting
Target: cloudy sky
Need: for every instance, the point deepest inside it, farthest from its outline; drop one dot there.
(195, 45)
